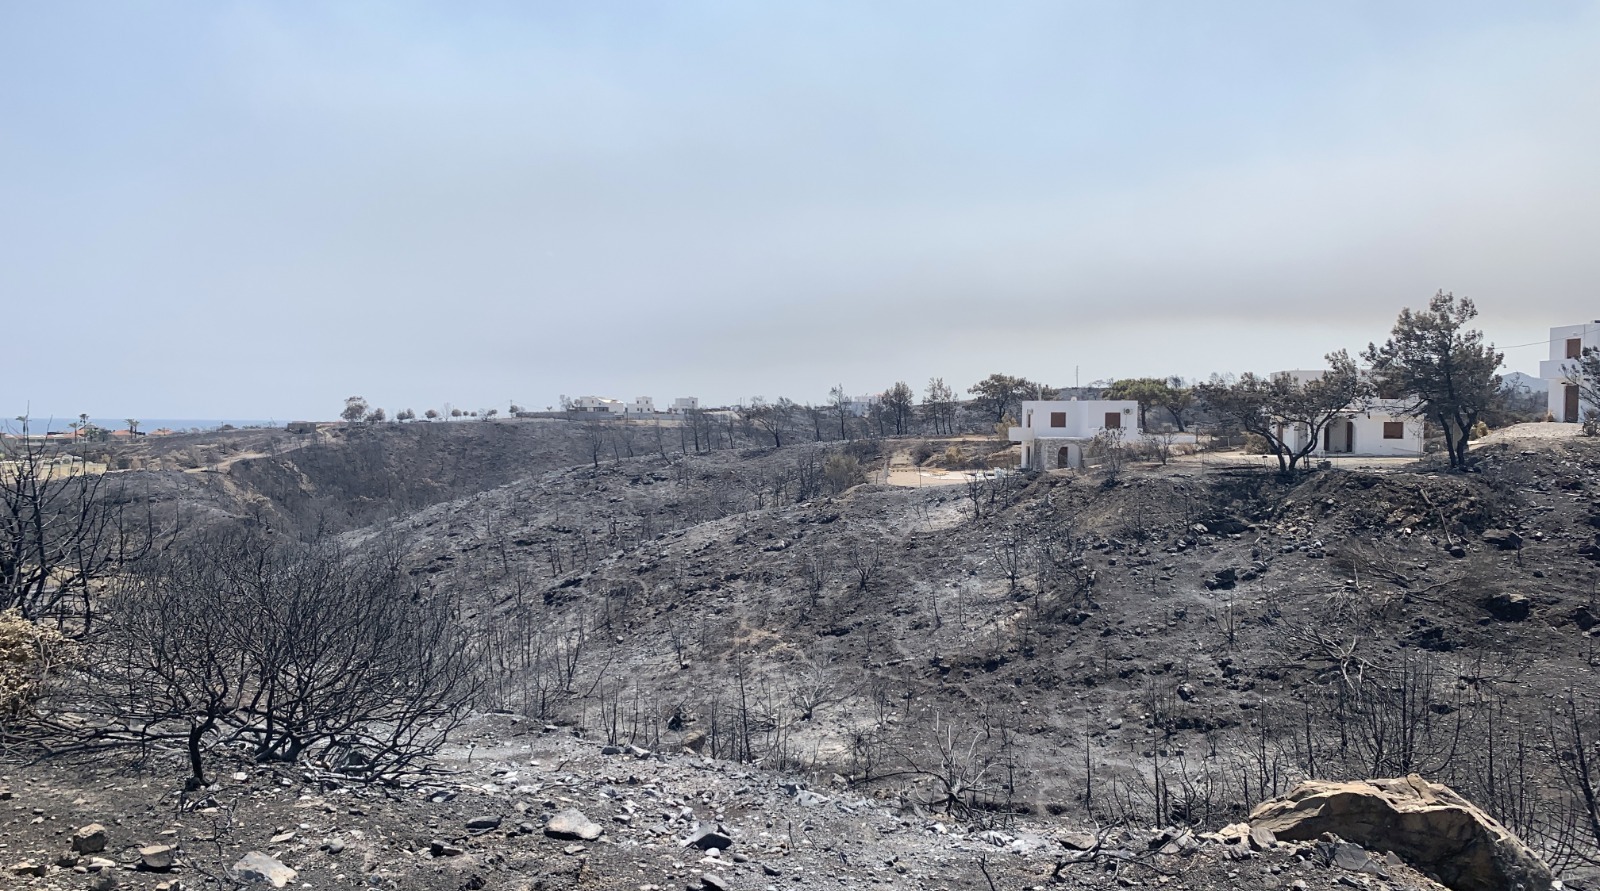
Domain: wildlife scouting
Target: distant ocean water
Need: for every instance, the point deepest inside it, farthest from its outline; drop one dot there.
(183, 424)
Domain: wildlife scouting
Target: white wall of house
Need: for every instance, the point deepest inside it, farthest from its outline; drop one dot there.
(1074, 419)
(1378, 428)
(1566, 344)
(686, 404)
(1382, 434)
(1053, 432)
(1383, 429)
(641, 405)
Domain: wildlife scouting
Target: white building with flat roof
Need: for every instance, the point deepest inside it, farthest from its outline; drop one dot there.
(1567, 344)
(1053, 432)
(1380, 428)
(601, 404)
(1373, 428)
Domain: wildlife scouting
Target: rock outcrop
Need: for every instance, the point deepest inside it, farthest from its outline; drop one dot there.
(1426, 824)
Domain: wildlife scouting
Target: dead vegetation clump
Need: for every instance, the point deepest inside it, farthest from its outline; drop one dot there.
(30, 655)
(1367, 500)
(982, 454)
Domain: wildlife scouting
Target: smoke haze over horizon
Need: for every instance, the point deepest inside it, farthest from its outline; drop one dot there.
(252, 209)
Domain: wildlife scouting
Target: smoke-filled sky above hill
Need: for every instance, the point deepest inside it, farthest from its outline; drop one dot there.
(256, 209)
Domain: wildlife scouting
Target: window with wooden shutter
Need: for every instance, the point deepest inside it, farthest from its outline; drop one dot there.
(1574, 348)
(1113, 420)
(1058, 419)
(1394, 429)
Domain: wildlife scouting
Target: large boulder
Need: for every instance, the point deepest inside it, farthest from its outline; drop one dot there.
(1426, 824)
(89, 839)
(157, 858)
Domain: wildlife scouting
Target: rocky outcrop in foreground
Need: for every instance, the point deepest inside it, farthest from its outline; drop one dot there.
(1426, 824)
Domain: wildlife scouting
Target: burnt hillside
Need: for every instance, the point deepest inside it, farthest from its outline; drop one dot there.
(1169, 646)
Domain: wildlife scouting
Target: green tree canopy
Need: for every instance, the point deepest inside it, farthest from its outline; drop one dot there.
(1168, 394)
(1434, 358)
(1000, 394)
(1289, 414)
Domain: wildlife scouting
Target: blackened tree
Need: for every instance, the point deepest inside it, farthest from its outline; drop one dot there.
(900, 401)
(294, 651)
(63, 531)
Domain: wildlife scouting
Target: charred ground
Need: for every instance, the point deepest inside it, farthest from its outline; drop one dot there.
(1164, 646)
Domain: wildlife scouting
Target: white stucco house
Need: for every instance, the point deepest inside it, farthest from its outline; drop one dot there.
(1566, 348)
(641, 405)
(1053, 432)
(684, 404)
(600, 404)
(860, 406)
(1374, 428)
(1379, 428)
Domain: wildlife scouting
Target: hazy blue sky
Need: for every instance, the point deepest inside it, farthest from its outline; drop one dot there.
(222, 209)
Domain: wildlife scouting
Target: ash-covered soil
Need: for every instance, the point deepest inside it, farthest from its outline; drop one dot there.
(664, 821)
(1173, 645)
(857, 687)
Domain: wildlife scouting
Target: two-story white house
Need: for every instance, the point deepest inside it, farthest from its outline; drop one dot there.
(684, 404)
(641, 405)
(1053, 432)
(1566, 348)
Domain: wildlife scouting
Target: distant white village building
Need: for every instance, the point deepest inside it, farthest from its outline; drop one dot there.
(640, 406)
(860, 406)
(601, 404)
(1053, 432)
(1566, 348)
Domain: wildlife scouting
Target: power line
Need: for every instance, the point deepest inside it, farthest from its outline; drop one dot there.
(1547, 341)
(1516, 346)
